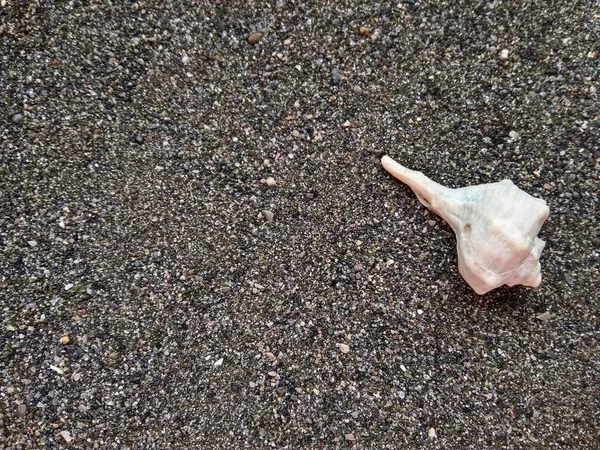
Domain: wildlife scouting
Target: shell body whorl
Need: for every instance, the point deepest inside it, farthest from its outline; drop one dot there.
(496, 227)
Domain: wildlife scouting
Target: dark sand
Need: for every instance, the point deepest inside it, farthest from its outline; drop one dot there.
(136, 140)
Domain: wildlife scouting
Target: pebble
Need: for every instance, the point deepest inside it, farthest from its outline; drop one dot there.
(185, 59)
(296, 133)
(359, 267)
(350, 437)
(513, 134)
(66, 435)
(545, 316)
(431, 433)
(254, 38)
(569, 279)
(17, 118)
(347, 123)
(22, 410)
(357, 90)
(287, 42)
(344, 348)
(82, 408)
(139, 138)
(65, 340)
(504, 54)
(597, 243)
(363, 30)
(270, 356)
(270, 181)
(335, 76)
(267, 215)
(32, 243)
(219, 362)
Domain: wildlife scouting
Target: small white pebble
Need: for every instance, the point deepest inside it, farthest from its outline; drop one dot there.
(58, 370)
(271, 181)
(431, 433)
(504, 54)
(219, 362)
(185, 59)
(32, 243)
(513, 134)
(66, 435)
(344, 348)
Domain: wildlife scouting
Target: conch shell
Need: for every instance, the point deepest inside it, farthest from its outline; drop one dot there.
(496, 227)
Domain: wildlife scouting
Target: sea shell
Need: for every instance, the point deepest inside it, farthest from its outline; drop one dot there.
(496, 227)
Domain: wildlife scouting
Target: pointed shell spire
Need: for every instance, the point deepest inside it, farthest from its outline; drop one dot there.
(496, 227)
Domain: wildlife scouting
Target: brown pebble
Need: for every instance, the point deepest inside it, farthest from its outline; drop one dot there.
(363, 30)
(254, 37)
(22, 410)
(65, 340)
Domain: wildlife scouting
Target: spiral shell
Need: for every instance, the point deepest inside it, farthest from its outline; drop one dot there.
(496, 227)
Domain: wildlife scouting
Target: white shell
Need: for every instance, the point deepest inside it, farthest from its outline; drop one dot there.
(496, 227)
